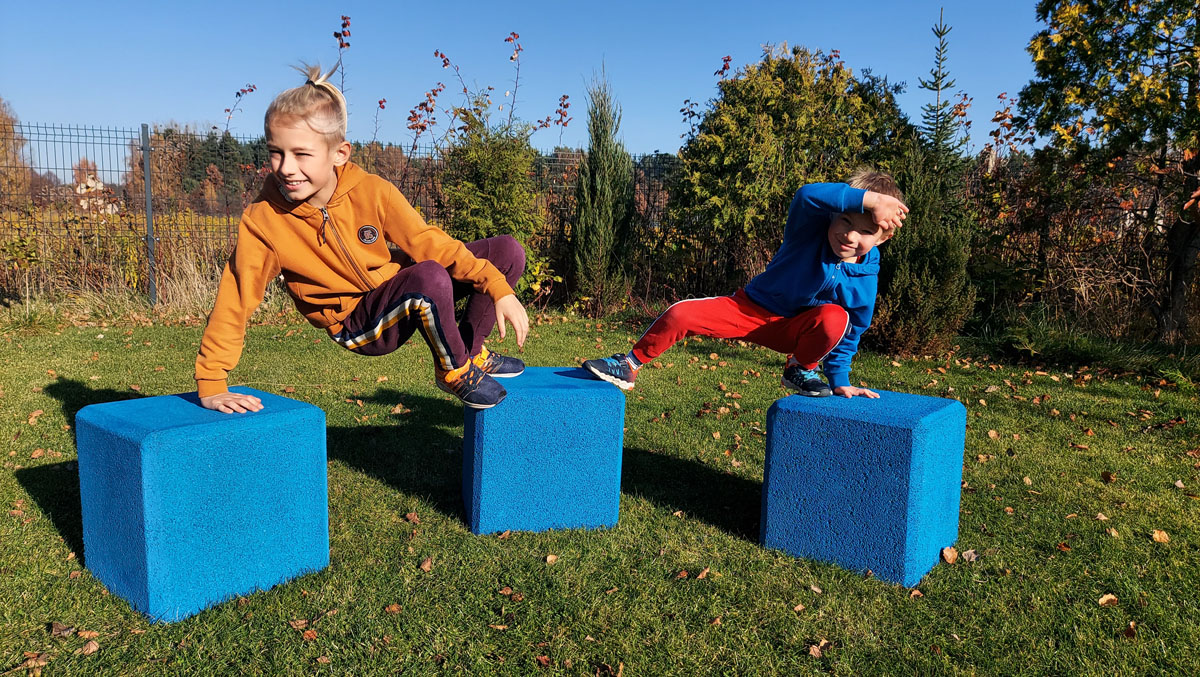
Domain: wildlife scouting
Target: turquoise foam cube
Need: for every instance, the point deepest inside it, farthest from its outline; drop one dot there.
(184, 507)
(547, 457)
(869, 484)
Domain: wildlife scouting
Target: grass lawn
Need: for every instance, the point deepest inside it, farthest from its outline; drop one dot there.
(1047, 453)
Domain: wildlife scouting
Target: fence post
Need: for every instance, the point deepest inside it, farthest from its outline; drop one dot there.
(149, 214)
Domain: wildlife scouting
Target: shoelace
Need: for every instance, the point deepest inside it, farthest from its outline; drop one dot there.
(616, 361)
(467, 382)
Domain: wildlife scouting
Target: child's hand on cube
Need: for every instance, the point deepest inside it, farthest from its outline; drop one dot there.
(230, 402)
(510, 309)
(851, 391)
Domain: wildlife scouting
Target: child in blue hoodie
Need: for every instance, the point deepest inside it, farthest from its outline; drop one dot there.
(813, 301)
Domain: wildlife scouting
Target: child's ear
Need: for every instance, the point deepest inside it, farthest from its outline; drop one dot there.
(341, 153)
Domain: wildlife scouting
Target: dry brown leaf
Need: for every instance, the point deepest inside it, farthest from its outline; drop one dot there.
(88, 649)
(1108, 599)
(969, 555)
(798, 608)
(815, 589)
(1160, 536)
(543, 661)
(89, 634)
(1063, 547)
(37, 453)
(993, 434)
(915, 593)
(681, 574)
(289, 389)
(505, 534)
(61, 629)
(299, 624)
(427, 564)
(1113, 533)
(506, 591)
(950, 555)
(497, 627)
(381, 379)
(324, 660)
(1179, 484)
(703, 573)
(716, 435)
(309, 635)
(715, 621)
(135, 387)
(392, 608)
(1027, 481)
(33, 417)
(412, 518)
(1108, 477)
(551, 559)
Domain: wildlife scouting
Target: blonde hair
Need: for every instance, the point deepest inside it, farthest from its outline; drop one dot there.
(318, 102)
(874, 180)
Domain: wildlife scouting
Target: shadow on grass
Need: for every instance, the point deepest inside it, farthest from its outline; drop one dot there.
(55, 487)
(417, 453)
(727, 502)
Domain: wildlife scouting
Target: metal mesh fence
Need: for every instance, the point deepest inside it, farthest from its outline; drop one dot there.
(74, 199)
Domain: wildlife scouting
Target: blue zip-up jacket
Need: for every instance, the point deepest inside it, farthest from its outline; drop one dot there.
(805, 272)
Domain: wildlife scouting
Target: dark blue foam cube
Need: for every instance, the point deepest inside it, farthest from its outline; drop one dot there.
(865, 483)
(184, 507)
(547, 457)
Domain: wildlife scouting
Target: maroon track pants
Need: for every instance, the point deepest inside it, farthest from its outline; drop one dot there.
(807, 337)
(421, 298)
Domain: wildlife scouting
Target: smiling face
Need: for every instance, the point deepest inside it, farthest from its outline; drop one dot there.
(303, 160)
(853, 235)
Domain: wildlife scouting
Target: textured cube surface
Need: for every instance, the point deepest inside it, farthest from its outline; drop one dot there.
(547, 457)
(866, 483)
(184, 507)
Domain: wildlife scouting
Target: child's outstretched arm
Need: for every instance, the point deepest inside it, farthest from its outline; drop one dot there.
(508, 308)
(886, 211)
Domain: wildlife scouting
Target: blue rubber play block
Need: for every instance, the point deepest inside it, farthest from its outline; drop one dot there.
(865, 483)
(184, 507)
(547, 457)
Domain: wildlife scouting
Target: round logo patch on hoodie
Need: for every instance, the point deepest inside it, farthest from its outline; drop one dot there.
(368, 234)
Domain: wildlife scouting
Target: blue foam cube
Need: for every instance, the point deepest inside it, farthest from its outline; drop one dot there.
(184, 507)
(865, 483)
(547, 457)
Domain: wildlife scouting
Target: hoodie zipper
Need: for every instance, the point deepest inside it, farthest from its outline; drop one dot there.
(342, 245)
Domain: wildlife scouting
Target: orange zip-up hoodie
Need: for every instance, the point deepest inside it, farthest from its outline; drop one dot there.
(329, 259)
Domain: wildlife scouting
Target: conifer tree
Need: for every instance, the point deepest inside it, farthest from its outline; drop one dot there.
(604, 204)
(937, 116)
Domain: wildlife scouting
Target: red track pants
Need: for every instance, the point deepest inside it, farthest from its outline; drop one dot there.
(807, 337)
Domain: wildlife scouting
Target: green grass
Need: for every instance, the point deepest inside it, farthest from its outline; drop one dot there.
(613, 599)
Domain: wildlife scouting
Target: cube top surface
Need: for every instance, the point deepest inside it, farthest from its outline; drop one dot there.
(141, 416)
(560, 383)
(890, 409)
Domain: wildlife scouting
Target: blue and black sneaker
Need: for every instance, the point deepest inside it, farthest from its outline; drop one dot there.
(805, 381)
(616, 370)
(497, 365)
(468, 383)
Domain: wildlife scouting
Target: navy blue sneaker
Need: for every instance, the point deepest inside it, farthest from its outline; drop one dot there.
(615, 370)
(497, 365)
(468, 383)
(805, 381)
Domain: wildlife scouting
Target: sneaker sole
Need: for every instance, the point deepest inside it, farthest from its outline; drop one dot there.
(622, 384)
(504, 375)
(807, 393)
(472, 405)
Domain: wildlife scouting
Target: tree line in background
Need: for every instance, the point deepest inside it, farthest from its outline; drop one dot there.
(1081, 207)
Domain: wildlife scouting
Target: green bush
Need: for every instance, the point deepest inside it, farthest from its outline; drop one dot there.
(793, 118)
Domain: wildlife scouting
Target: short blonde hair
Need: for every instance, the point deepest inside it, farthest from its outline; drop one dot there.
(874, 180)
(318, 102)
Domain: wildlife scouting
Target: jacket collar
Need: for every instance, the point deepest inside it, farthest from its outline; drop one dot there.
(348, 175)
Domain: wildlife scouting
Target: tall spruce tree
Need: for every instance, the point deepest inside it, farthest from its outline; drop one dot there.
(925, 292)
(604, 204)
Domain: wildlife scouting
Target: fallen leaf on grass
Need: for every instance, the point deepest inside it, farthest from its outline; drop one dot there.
(1063, 547)
(309, 635)
(715, 621)
(1108, 599)
(798, 608)
(950, 555)
(1179, 484)
(412, 518)
(299, 624)
(681, 574)
(427, 564)
(1160, 536)
(61, 629)
(1101, 517)
(1108, 477)
(88, 649)
(551, 559)
(1113, 533)
(392, 608)
(915, 593)
(33, 417)
(1026, 480)
(817, 650)
(324, 660)
(505, 535)
(993, 434)
(816, 589)
(89, 634)
(498, 627)
(969, 555)
(543, 661)
(289, 389)
(703, 573)
(1131, 630)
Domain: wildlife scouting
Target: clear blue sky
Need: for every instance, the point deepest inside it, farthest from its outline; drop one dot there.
(123, 63)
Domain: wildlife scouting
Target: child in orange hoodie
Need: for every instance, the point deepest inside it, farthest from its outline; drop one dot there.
(324, 223)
